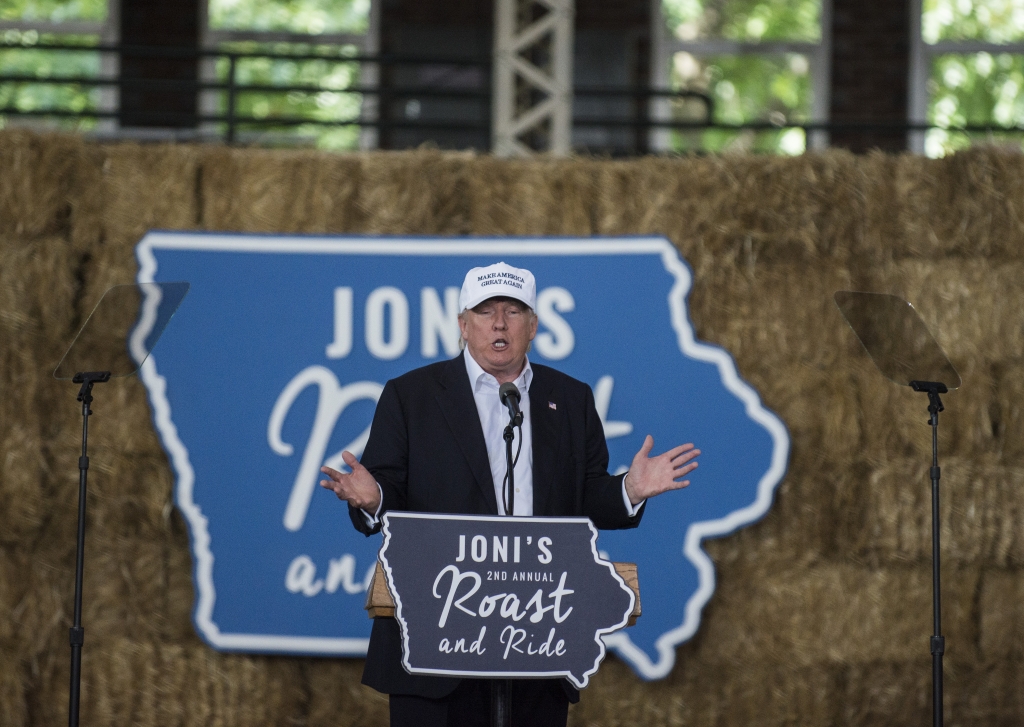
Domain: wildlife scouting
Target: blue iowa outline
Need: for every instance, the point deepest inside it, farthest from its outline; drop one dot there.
(698, 531)
(619, 642)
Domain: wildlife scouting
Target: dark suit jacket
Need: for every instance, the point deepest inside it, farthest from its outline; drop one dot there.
(427, 451)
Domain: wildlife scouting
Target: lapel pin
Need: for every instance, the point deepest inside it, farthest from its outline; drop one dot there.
(552, 405)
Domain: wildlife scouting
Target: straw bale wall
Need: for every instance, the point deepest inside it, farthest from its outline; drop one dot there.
(822, 611)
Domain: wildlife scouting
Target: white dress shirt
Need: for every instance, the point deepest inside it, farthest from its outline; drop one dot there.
(493, 419)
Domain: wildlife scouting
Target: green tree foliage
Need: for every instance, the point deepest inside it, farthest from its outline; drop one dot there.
(296, 16)
(975, 89)
(744, 88)
(328, 103)
(978, 89)
(750, 87)
(995, 21)
(54, 11)
(329, 76)
(744, 20)
(20, 57)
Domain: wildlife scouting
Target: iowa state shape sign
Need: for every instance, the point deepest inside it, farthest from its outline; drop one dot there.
(274, 363)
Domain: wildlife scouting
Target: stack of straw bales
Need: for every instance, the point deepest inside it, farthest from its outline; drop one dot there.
(822, 611)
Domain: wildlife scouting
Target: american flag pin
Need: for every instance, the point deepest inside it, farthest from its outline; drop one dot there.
(552, 405)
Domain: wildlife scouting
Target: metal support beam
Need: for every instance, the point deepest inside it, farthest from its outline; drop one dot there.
(532, 86)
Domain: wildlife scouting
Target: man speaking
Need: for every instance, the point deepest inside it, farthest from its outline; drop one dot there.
(436, 446)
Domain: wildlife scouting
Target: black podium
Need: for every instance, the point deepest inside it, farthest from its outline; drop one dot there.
(500, 598)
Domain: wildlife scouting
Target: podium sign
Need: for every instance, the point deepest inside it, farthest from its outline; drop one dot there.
(501, 597)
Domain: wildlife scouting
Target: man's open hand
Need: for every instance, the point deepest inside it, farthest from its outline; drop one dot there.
(358, 488)
(650, 476)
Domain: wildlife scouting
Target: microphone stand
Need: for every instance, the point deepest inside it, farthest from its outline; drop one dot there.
(508, 436)
(501, 689)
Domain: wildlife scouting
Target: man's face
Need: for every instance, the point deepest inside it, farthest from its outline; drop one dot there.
(498, 333)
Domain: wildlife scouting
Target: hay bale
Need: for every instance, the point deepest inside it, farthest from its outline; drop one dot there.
(337, 698)
(763, 692)
(1007, 410)
(821, 410)
(121, 681)
(130, 487)
(12, 594)
(414, 193)
(147, 186)
(973, 307)
(138, 188)
(887, 693)
(1001, 618)
(138, 585)
(158, 685)
(982, 511)
(37, 292)
(734, 210)
(13, 702)
(829, 595)
(989, 694)
(135, 585)
(180, 595)
(817, 507)
(22, 504)
(43, 614)
(232, 689)
(36, 310)
(47, 676)
(133, 495)
(965, 205)
(38, 182)
(895, 420)
(821, 613)
(646, 197)
(774, 318)
(531, 197)
(60, 488)
(283, 192)
(125, 588)
(85, 228)
(879, 237)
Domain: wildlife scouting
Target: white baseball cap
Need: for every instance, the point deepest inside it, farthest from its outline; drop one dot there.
(498, 280)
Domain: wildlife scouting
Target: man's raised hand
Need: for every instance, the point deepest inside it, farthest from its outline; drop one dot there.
(358, 488)
(649, 476)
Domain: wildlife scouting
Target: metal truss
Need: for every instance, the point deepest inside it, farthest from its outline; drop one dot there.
(532, 84)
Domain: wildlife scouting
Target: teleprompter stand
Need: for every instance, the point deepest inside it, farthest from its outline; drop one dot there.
(938, 642)
(905, 352)
(77, 634)
(114, 342)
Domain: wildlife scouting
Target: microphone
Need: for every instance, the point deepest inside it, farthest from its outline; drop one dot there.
(509, 395)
